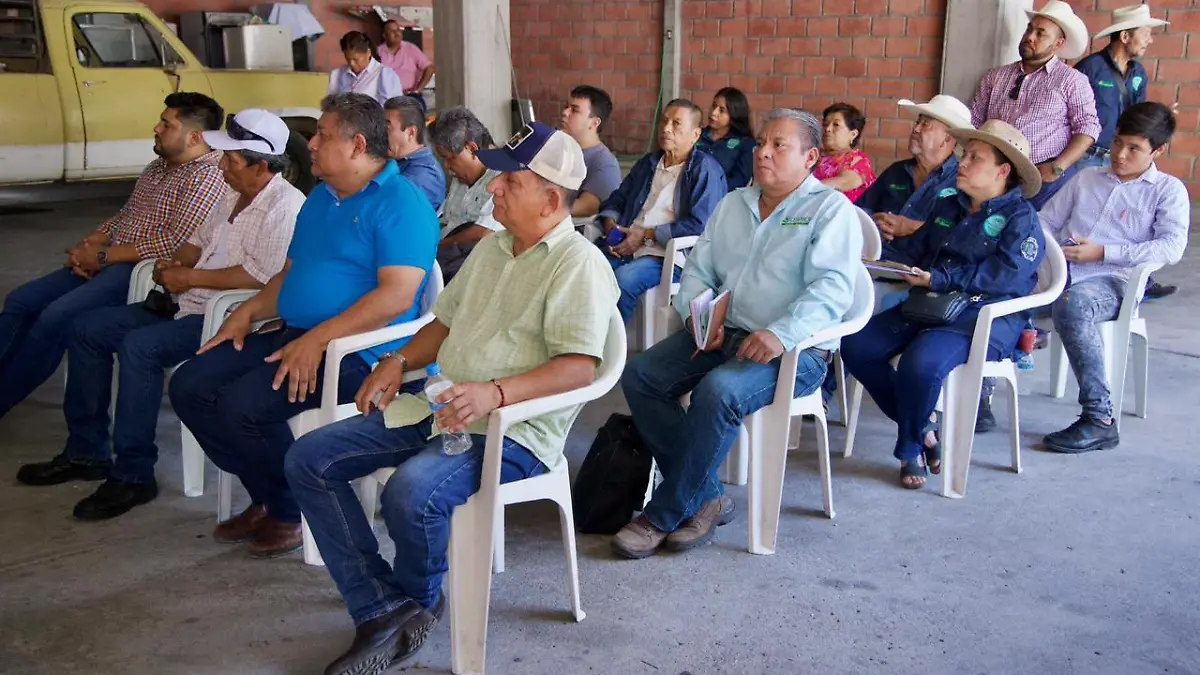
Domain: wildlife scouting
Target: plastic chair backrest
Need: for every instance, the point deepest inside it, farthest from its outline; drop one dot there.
(433, 288)
(1053, 268)
(872, 244)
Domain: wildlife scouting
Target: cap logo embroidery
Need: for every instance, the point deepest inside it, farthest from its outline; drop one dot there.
(1104, 83)
(519, 137)
(947, 192)
(994, 225)
(1029, 249)
(1137, 81)
(943, 221)
(795, 222)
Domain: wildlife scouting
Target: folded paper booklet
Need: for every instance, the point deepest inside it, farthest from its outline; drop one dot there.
(882, 269)
(708, 312)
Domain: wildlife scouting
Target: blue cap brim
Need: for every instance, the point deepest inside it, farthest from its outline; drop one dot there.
(499, 160)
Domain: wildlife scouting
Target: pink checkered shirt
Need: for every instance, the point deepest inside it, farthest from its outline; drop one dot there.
(1055, 103)
(167, 205)
(257, 239)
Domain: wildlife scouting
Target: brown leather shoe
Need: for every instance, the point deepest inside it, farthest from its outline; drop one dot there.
(274, 538)
(699, 529)
(240, 527)
(638, 539)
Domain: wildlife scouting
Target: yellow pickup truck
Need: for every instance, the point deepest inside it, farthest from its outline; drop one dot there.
(82, 85)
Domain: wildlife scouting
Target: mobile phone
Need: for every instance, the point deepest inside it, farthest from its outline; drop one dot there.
(1070, 241)
(270, 327)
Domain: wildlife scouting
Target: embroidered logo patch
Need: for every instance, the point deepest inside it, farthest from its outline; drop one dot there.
(994, 225)
(1105, 83)
(947, 192)
(1137, 81)
(943, 221)
(795, 222)
(733, 143)
(898, 187)
(1029, 249)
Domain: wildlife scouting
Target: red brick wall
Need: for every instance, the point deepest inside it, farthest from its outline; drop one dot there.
(331, 14)
(799, 53)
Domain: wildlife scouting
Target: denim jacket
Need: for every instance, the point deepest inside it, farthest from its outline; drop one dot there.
(697, 192)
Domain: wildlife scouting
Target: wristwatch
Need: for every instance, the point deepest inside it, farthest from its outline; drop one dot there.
(102, 258)
(398, 355)
(1058, 170)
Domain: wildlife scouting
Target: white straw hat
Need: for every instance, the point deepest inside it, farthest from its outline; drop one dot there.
(1009, 140)
(943, 108)
(1072, 26)
(1130, 18)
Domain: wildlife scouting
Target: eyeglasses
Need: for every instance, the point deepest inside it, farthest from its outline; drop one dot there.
(1015, 92)
(240, 133)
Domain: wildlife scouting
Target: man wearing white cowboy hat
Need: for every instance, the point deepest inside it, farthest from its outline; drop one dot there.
(242, 244)
(1050, 102)
(984, 241)
(1119, 80)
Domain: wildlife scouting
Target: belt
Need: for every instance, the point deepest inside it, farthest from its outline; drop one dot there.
(1097, 151)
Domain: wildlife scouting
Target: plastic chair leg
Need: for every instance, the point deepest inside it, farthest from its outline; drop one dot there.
(768, 453)
(1117, 362)
(1014, 424)
(498, 542)
(737, 463)
(224, 496)
(1141, 373)
(823, 460)
(566, 521)
(1058, 367)
(650, 487)
(193, 463)
(843, 403)
(960, 397)
(470, 587)
(855, 395)
(312, 556)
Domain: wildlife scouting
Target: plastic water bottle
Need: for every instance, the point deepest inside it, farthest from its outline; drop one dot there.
(1025, 347)
(436, 384)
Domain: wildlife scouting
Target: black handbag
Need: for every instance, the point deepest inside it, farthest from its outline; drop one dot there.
(612, 482)
(933, 308)
(161, 304)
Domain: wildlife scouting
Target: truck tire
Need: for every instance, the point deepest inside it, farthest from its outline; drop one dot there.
(299, 168)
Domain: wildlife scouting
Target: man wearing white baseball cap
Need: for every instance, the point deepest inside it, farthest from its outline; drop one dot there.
(242, 244)
(526, 317)
(1050, 102)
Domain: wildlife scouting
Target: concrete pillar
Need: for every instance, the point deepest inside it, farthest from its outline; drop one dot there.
(472, 55)
(673, 54)
(980, 35)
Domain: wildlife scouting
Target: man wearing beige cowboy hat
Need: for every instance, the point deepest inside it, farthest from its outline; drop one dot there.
(1119, 81)
(984, 241)
(1050, 102)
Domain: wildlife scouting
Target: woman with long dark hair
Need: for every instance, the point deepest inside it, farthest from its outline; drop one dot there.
(729, 136)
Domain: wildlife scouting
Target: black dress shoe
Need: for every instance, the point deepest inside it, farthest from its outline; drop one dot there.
(985, 421)
(115, 497)
(377, 642)
(62, 469)
(1156, 290)
(1085, 435)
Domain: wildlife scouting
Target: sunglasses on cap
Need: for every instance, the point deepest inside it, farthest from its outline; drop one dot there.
(240, 133)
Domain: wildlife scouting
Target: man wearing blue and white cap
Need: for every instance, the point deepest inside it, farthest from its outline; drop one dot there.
(241, 244)
(525, 318)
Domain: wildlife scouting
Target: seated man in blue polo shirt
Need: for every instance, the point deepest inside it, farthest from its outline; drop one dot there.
(363, 246)
(406, 145)
(669, 193)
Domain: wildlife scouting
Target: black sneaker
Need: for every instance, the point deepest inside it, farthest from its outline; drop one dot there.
(985, 421)
(114, 498)
(1156, 290)
(1085, 435)
(62, 469)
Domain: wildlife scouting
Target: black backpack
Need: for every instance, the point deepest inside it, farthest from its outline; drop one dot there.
(611, 484)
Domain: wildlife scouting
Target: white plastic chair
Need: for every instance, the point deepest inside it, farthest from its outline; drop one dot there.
(141, 280)
(1116, 335)
(872, 249)
(660, 296)
(770, 427)
(329, 411)
(960, 393)
(477, 527)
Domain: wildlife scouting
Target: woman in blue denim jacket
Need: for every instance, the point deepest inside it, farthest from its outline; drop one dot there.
(729, 137)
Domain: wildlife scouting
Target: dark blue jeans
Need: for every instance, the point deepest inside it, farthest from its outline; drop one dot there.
(690, 445)
(224, 397)
(635, 276)
(417, 504)
(908, 393)
(145, 345)
(36, 322)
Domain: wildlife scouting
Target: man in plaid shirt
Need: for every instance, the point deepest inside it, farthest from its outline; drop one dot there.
(1050, 102)
(241, 245)
(173, 196)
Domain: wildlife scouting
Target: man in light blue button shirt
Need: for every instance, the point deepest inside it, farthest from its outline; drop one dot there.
(786, 249)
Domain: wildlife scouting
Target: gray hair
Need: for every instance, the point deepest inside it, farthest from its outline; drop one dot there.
(360, 114)
(810, 126)
(411, 114)
(457, 127)
(275, 163)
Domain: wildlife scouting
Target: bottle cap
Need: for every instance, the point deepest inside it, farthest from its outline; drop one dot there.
(433, 369)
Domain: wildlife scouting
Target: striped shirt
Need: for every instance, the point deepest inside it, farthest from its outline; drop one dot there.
(256, 239)
(167, 205)
(1054, 103)
(1141, 221)
(509, 314)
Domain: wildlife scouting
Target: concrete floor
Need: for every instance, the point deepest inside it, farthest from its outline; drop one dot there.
(1081, 565)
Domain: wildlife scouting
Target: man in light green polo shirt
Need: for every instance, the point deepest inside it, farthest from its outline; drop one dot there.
(525, 318)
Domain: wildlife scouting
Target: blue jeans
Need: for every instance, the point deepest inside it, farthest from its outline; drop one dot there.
(417, 504)
(145, 345)
(908, 393)
(1075, 315)
(635, 276)
(888, 294)
(36, 321)
(1091, 160)
(224, 397)
(1050, 189)
(690, 445)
